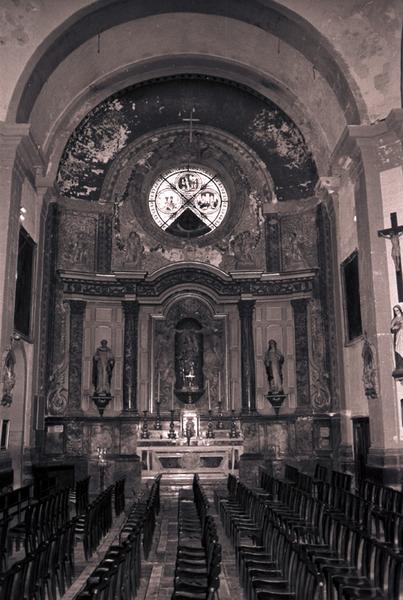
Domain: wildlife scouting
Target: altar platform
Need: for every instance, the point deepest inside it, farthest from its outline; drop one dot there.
(176, 460)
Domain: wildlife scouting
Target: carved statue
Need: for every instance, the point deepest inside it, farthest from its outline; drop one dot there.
(274, 360)
(102, 366)
(396, 328)
(368, 372)
(8, 378)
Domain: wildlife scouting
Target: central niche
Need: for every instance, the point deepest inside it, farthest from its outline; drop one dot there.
(188, 202)
(189, 377)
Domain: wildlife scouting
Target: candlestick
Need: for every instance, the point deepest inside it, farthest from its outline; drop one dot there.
(172, 399)
(233, 396)
(158, 387)
(208, 394)
(130, 396)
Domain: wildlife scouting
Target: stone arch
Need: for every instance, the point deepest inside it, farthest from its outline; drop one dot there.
(270, 17)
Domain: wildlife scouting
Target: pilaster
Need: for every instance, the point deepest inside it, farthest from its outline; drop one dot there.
(300, 310)
(77, 311)
(367, 151)
(131, 314)
(248, 377)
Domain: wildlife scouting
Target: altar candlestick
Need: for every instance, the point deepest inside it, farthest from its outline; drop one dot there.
(130, 396)
(208, 394)
(233, 396)
(158, 388)
(172, 400)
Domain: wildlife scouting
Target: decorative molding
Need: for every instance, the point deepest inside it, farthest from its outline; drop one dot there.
(189, 276)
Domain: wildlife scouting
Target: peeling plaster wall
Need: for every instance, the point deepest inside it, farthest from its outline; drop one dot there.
(367, 35)
(115, 123)
(24, 24)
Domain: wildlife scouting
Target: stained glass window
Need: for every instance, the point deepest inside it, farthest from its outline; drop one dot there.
(188, 201)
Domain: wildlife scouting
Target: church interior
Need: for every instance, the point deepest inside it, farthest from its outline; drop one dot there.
(201, 299)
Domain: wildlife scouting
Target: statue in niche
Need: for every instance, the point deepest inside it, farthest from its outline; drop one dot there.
(102, 366)
(368, 373)
(396, 328)
(189, 356)
(133, 248)
(273, 361)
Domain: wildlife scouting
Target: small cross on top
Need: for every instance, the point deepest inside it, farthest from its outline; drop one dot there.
(393, 234)
(191, 120)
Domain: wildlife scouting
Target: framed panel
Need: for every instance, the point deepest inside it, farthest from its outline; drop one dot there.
(351, 297)
(23, 288)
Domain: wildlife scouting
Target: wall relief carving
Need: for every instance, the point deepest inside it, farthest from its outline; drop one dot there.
(320, 392)
(56, 401)
(298, 234)
(57, 392)
(74, 438)
(77, 241)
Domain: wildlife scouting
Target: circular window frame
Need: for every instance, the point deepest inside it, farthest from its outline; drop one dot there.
(205, 180)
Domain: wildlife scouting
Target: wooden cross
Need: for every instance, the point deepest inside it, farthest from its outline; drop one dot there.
(191, 120)
(393, 234)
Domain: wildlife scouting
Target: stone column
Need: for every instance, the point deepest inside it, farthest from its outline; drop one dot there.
(77, 311)
(248, 378)
(19, 156)
(131, 313)
(300, 310)
(376, 149)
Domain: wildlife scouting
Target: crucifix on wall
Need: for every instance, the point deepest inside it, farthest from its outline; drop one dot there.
(191, 120)
(393, 233)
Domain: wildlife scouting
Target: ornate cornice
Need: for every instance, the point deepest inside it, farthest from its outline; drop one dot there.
(187, 277)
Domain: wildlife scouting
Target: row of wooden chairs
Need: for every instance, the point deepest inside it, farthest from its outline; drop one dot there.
(14, 502)
(144, 512)
(198, 560)
(117, 576)
(119, 496)
(79, 495)
(41, 519)
(341, 544)
(96, 522)
(44, 573)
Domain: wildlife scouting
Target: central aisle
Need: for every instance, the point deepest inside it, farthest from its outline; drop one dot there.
(163, 556)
